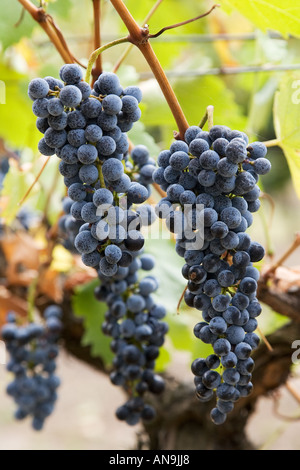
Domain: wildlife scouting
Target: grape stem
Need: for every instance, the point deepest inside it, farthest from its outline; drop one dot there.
(263, 337)
(50, 194)
(51, 29)
(34, 183)
(208, 118)
(94, 56)
(101, 177)
(20, 20)
(272, 143)
(139, 37)
(180, 300)
(159, 190)
(271, 270)
(294, 392)
(177, 25)
(131, 46)
(97, 37)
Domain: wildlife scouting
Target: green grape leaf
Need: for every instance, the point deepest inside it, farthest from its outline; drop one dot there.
(139, 136)
(59, 7)
(168, 270)
(271, 321)
(200, 349)
(168, 13)
(92, 312)
(11, 29)
(286, 122)
(277, 15)
(163, 360)
(208, 91)
(18, 127)
(180, 332)
(293, 159)
(261, 108)
(194, 95)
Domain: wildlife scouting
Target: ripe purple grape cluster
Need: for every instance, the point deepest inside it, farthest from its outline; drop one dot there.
(104, 211)
(214, 176)
(33, 350)
(117, 227)
(134, 322)
(86, 128)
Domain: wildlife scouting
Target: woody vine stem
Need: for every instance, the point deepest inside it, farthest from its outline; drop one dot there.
(140, 38)
(137, 36)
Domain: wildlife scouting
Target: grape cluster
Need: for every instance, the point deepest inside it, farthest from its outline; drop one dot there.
(212, 177)
(86, 128)
(106, 216)
(33, 350)
(68, 226)
(104, 211)
(134, 322)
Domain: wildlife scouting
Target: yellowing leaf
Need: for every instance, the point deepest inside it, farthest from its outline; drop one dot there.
(62, 259)
(293, 159)
(51, 285)
(283, 17)
(287, 110)
(17, 120)
(286, 121)
(92, 312)
(204, 91)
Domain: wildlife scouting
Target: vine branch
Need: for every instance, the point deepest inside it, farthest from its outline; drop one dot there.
(272, 143)
(21, 202)
(130, 47)
(183, 23)
(97, 37)
(94, 56)
(139, 37)
(208, 118)
(50, 28)
(284, 257)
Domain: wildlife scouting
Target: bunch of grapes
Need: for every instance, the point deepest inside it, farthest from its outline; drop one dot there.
(214, 176)
(33, 350)
(68, 226)
(133, 321)
(86, 128)
(104, 211)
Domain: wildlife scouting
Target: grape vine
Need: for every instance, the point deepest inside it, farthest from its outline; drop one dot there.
(211, 181)
(211, 178)
(33, 350)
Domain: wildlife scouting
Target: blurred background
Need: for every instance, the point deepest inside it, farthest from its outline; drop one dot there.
(230, 60)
